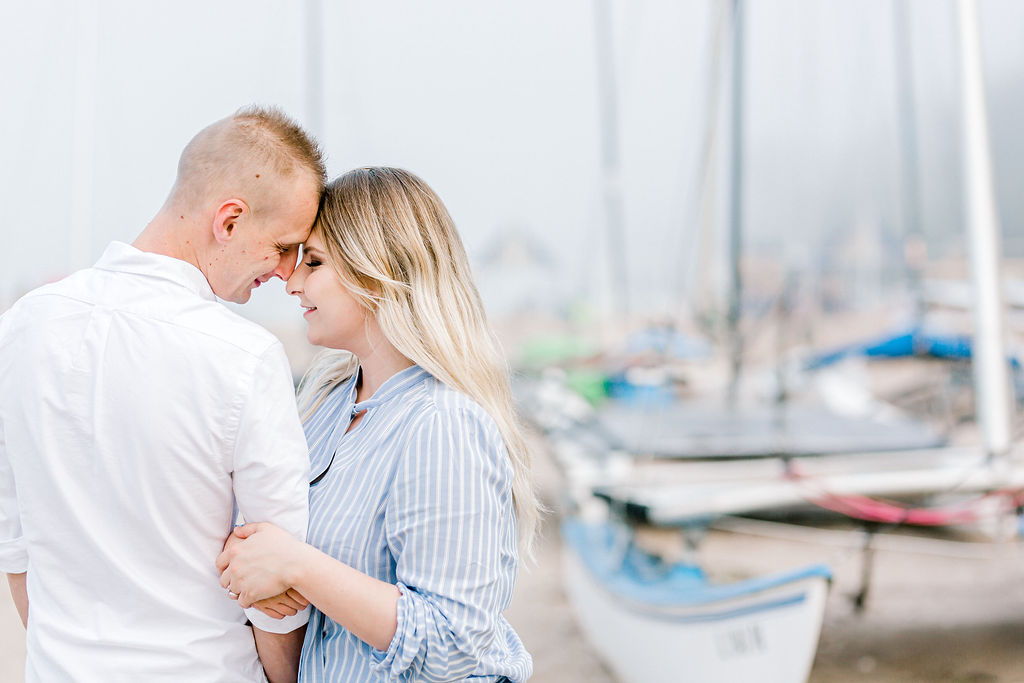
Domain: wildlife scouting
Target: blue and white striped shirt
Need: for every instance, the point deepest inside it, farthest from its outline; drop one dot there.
(418, 494)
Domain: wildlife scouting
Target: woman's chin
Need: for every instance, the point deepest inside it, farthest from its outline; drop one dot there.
(327, 343)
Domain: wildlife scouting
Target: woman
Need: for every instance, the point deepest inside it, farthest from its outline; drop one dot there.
(420, 476)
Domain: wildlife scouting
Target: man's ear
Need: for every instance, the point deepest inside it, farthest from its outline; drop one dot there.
(229, 214)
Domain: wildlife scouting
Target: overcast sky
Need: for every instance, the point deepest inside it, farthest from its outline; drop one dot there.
(496, 106)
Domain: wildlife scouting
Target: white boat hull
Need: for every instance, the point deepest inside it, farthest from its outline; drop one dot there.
(769, 636)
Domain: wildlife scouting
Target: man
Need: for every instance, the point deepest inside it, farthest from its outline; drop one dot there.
(136, 411)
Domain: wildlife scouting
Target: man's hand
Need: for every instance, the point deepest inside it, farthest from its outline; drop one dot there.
(282, 605)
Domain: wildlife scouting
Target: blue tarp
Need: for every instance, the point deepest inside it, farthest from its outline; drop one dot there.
(913, 341)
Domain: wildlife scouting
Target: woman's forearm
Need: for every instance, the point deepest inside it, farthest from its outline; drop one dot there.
(362, 604)
(270, 560)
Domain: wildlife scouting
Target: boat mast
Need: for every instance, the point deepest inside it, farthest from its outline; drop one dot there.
(314, 66)
(83, 135)
(913, 240)
(698, 278)
(991, 380)
(608, 100)
(736, 203)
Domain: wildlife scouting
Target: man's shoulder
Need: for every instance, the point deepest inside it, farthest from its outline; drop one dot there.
(27, 305)
(221, 325)
(63, 286)
(182, 314)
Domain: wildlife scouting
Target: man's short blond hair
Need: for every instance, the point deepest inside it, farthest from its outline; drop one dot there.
(233, 156)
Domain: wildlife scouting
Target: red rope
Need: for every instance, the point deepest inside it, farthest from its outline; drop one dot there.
(892, 512)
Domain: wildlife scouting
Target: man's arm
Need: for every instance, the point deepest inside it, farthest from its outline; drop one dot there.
(279, 653)
(20, 594)
(271, 464)
(271, 460)
(13, 551)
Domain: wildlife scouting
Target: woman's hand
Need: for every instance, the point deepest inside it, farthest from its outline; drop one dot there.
(258, 568)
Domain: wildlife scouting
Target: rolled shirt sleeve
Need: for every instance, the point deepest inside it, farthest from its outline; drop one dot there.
(451, 526)
(271, 464)
(13, 549)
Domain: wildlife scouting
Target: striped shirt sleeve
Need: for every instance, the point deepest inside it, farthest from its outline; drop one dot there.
(451, 527)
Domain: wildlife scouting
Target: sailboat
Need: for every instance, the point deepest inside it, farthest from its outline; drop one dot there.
(653, 620)
(657, 622)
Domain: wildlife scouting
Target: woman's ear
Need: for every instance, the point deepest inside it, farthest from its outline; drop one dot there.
(229, 214)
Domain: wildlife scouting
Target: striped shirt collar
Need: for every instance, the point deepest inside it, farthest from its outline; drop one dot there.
(396, 385)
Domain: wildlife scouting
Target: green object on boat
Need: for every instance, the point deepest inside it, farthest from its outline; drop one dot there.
(590, 384)
(554, 350)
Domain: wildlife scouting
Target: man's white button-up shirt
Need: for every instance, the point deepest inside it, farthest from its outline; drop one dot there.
(135, 411)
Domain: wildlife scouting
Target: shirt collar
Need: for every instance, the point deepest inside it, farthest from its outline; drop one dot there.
(396, 385)
(124, 258)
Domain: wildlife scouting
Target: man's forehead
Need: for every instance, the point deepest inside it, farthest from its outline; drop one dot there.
(301, 222)
(291, 232)
(296, 192)
(306, 186)
(294, 238)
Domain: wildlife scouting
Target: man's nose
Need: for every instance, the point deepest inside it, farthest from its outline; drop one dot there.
(286, 266)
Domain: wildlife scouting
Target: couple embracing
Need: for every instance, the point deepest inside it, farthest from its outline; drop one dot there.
(379, 524)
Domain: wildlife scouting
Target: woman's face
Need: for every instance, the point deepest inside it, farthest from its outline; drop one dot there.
(334, 317)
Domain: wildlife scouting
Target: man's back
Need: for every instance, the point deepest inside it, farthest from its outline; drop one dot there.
(133, 407)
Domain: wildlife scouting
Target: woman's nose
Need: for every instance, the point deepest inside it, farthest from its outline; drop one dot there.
(293, 285)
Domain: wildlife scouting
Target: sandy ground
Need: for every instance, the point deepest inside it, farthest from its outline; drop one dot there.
(12, 640)
(937, 610)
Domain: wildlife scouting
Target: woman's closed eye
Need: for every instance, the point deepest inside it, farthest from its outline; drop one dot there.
(311, 263)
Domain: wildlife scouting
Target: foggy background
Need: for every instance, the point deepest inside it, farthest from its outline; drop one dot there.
(496, 105)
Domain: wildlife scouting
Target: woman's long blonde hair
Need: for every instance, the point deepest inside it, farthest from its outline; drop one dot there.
(394, 245)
